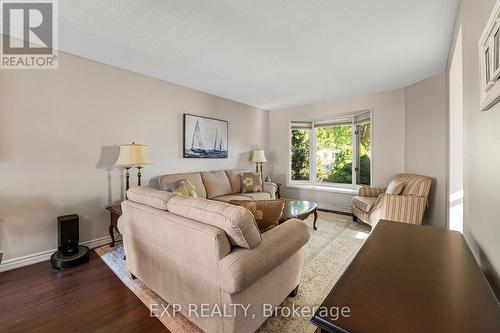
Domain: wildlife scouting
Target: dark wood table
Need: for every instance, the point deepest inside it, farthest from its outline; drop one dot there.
(410, 278)
(116, 212)
(299, 209)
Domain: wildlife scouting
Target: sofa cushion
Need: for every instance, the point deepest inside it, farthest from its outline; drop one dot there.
(171, 187)
(235, 180)
(194, 178)
(237, 222)
(267, 213)
(149, 196)
(251, 182)
(364, 203)
(256, 195)
(395, 187)
(227, 198)
(216, 183)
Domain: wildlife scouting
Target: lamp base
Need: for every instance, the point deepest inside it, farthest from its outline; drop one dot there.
(258, 167)
(139, 174)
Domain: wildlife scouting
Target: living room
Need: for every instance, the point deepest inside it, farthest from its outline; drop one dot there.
(344, 116)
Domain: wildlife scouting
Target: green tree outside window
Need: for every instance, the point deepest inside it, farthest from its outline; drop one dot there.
(300, 154)
(335, 141)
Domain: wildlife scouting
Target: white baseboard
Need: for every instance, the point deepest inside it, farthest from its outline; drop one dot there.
(45, 255)
(338, 208)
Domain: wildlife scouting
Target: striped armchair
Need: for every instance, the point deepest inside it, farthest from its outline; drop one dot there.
(374, 204)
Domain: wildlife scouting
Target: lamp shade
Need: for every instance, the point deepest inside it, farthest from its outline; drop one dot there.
(133, 154)
(259, 156)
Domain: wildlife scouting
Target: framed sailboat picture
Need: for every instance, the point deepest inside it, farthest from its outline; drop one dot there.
(205, 137)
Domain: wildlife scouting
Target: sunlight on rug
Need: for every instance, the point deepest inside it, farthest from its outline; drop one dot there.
(330, 250)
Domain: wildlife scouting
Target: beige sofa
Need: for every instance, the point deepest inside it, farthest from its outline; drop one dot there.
(373, 204)
(194, 251)
(222, 185)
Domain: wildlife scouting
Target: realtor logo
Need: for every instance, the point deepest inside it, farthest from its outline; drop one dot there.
(29, 32)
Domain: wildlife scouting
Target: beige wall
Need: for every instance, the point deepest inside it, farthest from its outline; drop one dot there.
(425, 141)
(388, 141)
(481, 142)
(58, 135)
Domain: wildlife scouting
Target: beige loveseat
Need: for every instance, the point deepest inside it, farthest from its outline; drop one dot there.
(374, 204)
(196, 252)
(222, 185)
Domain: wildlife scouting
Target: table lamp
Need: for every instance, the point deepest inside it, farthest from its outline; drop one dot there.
(259, 158)
(133, 155)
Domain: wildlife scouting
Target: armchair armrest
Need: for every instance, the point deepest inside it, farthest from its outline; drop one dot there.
(270, 188)
(401, 208)
(366, 191)
(242, 267)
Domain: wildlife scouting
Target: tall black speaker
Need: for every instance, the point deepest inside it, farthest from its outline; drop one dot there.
(69, 252)
(68, 234)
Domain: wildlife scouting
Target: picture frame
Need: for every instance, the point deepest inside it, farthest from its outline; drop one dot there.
(204, 137)
(489, 61)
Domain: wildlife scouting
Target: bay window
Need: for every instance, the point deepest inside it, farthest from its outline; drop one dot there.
(335, 151)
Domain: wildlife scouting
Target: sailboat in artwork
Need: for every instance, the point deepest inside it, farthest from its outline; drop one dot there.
(218, 144)
(221, 145)
(197, 142)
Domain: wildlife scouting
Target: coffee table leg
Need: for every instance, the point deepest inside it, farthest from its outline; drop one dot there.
(315, 218)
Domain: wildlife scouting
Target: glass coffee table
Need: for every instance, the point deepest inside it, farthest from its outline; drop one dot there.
(299, 209)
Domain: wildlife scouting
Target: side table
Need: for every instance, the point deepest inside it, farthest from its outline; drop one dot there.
(116, 212)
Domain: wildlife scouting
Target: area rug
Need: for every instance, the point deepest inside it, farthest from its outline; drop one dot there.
(330, 250)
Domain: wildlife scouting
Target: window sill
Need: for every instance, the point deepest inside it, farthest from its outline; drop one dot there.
(332, 189)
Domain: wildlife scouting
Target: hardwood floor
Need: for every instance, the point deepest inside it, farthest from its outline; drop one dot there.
(85, 298)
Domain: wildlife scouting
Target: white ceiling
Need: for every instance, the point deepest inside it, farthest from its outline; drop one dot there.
(270, 54)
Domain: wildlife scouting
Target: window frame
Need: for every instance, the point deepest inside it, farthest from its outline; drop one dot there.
(312, 183)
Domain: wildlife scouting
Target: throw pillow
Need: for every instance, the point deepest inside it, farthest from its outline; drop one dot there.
(186, 189)
(267, 213)
(251, 182)
(395, 187)
(183, 188)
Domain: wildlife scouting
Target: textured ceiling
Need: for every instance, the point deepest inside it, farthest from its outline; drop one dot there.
(270, 54)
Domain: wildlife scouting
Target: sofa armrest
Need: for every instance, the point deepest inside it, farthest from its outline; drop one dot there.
(270, 188)
(242, 267)
(401, 208)
(366, 191)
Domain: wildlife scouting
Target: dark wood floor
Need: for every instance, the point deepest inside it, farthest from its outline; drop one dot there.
(86, 298)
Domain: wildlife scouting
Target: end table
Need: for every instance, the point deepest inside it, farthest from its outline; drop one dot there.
(116, 212)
